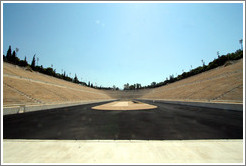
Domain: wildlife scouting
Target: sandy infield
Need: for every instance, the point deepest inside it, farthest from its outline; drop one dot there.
(124, 105)
(121, 104)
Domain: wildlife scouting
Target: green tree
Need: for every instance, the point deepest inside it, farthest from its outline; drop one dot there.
(241, 42)
(203, 63)
(33, 62)
(49, 71)
(75, 80)
(218, 54)
(4, 57)
(13, 58)
(9, 54)
(23, 62)
(64, 75)
(132, 87)
(138, 86)
(126, 86)
(153, 84)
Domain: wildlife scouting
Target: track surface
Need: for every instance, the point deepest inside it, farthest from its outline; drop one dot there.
(167, 122)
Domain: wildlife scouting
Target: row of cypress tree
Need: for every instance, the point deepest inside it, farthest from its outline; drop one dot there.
(11, 57)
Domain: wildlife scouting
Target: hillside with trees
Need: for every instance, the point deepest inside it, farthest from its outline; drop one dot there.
(11, 57)
(221, 84)
(219, 61)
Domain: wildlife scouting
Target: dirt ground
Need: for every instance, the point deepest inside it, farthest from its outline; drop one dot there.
(124, 105)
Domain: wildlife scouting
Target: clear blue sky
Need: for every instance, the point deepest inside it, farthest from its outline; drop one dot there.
(117, 43)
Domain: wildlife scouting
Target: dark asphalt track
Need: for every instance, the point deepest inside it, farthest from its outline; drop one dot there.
(167, 122)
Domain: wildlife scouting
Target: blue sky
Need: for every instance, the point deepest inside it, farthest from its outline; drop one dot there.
(117, 43)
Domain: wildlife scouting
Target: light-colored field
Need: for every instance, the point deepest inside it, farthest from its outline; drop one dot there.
(222, 84)
(124, 105)
(26, 87)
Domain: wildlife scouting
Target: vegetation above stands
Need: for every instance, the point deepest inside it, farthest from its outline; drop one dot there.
(11, 57)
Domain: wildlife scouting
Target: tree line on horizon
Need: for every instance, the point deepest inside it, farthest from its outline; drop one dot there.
(11, 57)
(219, 61)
